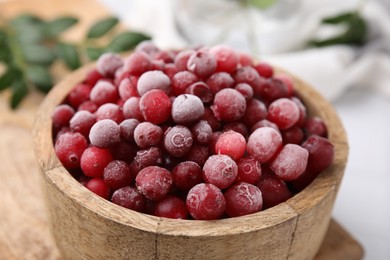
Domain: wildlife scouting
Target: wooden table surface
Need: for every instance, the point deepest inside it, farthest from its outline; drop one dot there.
(24, 232)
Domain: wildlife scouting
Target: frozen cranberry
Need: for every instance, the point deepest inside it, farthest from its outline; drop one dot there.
(181, 81)
(155, 106)
(283, 112)
(147, 134)
(249, 170)
(255, 111)
(187, 109)
(321, 153)
(88, 106)
(171, 207)
(154, 182)
(131, 109)
(154, 79)
(245, 59)
(293, 135)
(201, 132)
(227, 58)
(165, 56)
(137, 63)
(186, 175)
(202, 63)
(247, 75)
(274, 190)
(211, 119)
(127, 89)
(302, 111)
(243, 199)
(290, 163)
(264, 143)
(232, 144)
(104, 92)
(220, 170)
(198, 153)
(127, 128)
(178, 140)
(129, 197)
(69, 147)
(104, 133)
(147, 157)
(264, 123)
(170, 70)
(201, 90)
(315, 126)
(62, 115)
(82, 122)
(288, 81)
(205, 202)
(123, 151)
(93, 77)
(158, 65)
(148, 47)
(245, 89)
(94, 160)
(97, 186)
(181, 59)
(117, 174)
(108, 63)
(219, 81)
(236, 126)
(110, 111)
(79, 95)
(264, 69)
(271, 89)
(229, 105)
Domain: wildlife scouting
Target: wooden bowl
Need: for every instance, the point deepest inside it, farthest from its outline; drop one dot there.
(86, 226)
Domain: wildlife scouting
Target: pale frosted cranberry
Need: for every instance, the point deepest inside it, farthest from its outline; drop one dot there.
(245, 89)
(127, 89)
(220, 170)
(232, 144)
(264, 69)
(293, 135)
(166, 56)
(127, 128)
(155, 106)
(186, 109)
(79, 95)
(302, 111)
(205, 202)
(62, 115)
(178, 140)
(229, 105)
(104, 133)
(202, 63)
(315, 126)
(264, 143)
(97, 186)
(170, 70)
(255, 112)
(243, 199)
(110, 111)
(131, 109)
(171, 207)
(201, 90)
(288, 81)
(94, 160)
(148, 157)
(181, 59)
(148, 47)
(157, 65)
(245, 59)
(227, 58)
(211, 119)
(147, 134)
(154, 79)
(123, 151)
(108, 63)
(137, 63)
(82, 122)
(69, 147)
(197, 153)
(186, 175)
(264, 123)
(92, 77)
(88, 106)
(154, 182)
(248, 75)
(271, 89)
(129, 197)
(290, 163)
(117, 174)
(201, 132)
(104, 92)
(181, 81)
(274, 190)
(236, 126)
(219, 81)
(283, 112)
(249, 170)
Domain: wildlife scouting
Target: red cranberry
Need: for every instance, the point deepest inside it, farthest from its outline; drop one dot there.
(264, 143)
(155, 106)
(154, 182)
(201, 90)
(82, 122)
(315, 126)
(186, 175)
(97, 186)
(117, 174)
(243, 199)
(229, 111)
(202, 63)
(110, 111)
(178, 140)
(232, 144)
(171, 207)
(131, 109)
(129, 197)
(79, 95)
(62, 115)
(220, 170)
(227, 58)
(104, 92)
(127, 89)
(249, 170)
(219, 81)
(108, 63)
(69, 148)
(94, 160)
(283, 112)
(181, 81)
(147, 134)
(137, 63)
(154, 79)
(274, 190)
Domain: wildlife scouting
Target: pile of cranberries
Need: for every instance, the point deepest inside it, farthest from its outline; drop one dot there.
(193, 134)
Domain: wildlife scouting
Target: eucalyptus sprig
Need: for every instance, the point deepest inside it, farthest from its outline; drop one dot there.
(30, 45)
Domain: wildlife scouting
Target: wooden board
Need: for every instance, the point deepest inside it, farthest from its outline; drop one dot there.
(24, 232)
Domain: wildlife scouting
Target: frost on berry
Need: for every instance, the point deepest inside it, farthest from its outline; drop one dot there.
(220, 170)
(243, 199)
(104, 133)
(147, 134)
(178, 140)
(187, 108)
(232, 144)
(108, 63)
(202, 64)
(154, 79)
(229, 105)
(283, 112)
(264, 143)
(154, 182)
(104, 92)
(82, 122)
(129, 197)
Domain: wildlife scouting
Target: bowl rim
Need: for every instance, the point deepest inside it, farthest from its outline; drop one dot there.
(53, 171)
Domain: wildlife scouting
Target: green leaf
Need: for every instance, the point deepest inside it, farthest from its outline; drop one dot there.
(30, 33)
(55, 27)
(40, 77)
(338, 18)
(37, 54)
(262, 4)
(126, 41)
(94, 53)
(102, 27)
(4, 49)
(8, 77)
(69, 54)
(24, 19)
(19, 91)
